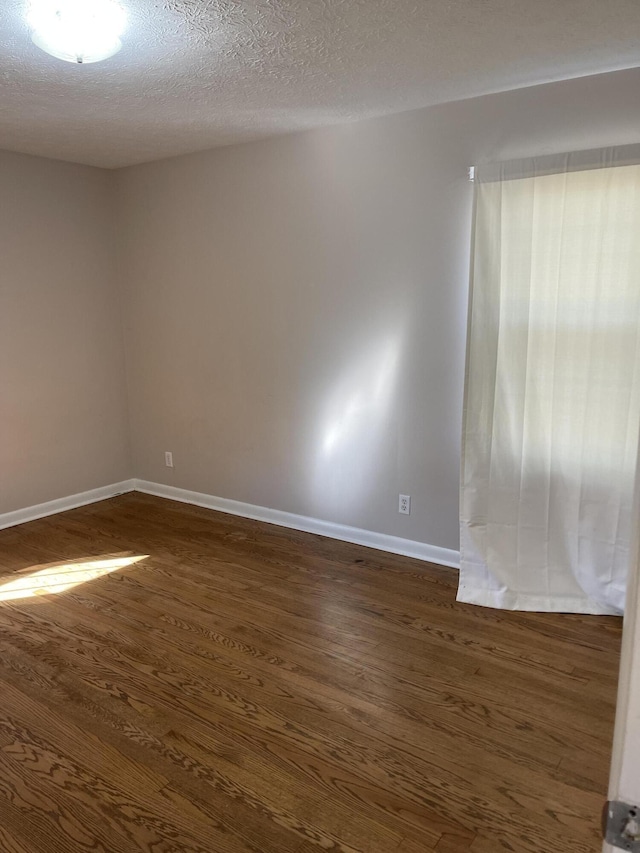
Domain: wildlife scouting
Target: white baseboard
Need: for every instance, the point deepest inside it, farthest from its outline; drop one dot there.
(30, 513)
(380, 541)
(369, 538)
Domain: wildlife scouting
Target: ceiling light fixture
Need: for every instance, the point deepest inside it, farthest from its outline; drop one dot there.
(78, 31)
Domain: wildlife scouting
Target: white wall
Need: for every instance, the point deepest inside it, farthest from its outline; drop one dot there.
(624, 780)
(295, 308)
(63, 420)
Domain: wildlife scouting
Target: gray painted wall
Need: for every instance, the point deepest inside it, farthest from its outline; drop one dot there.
(296, 308)
(63, 419)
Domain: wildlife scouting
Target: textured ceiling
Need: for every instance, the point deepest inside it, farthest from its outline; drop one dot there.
(195, 74)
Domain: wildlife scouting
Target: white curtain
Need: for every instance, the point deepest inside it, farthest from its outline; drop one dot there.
(552, 397)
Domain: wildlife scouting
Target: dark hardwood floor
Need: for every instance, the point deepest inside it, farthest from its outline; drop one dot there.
(250, 688)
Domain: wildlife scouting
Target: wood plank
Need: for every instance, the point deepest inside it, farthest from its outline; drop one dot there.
(247, 687)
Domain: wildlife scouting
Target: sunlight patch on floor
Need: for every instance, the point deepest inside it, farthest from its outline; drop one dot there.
(62, 576)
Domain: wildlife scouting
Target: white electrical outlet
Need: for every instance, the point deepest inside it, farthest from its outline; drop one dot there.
(168, 459)
(404, 504)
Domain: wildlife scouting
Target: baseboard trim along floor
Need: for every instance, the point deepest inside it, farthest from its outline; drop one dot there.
(30, 513)
(342, 532)
(355, 535)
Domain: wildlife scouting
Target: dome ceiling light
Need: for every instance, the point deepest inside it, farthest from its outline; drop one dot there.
(79, 31)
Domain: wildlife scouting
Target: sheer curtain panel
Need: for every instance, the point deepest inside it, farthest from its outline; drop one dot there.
(552, 396)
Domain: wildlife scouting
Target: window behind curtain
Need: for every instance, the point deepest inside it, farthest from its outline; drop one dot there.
(552, 408)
